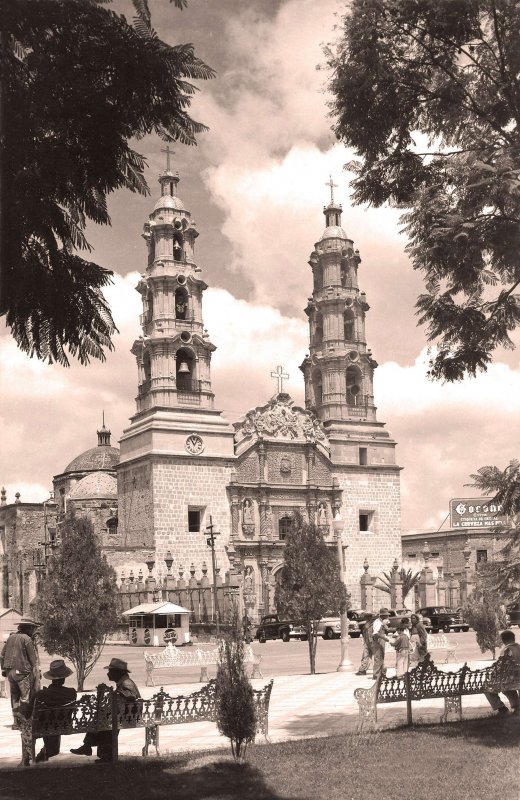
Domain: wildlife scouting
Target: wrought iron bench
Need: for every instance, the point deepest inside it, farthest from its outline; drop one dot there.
(172, 656)
(439, 641)
(427, 682)
(104, 711)
(197, 707)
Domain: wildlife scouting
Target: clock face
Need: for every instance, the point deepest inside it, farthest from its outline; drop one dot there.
(194, 444)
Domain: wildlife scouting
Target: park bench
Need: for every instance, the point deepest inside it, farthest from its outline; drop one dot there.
(172, 656)
(439, 641)
(105, 711)
(426, 682)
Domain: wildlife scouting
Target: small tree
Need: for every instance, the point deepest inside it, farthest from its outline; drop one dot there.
(409, 581)
(310, 582)
(486, 615)
(78, 600)
(236, 714)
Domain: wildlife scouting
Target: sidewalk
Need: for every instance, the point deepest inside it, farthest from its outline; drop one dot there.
(301, 706)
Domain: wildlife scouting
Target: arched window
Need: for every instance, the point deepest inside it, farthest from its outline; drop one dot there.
(353, 386)
(112, 526)
(318, 329)
(184, 370)
(181, 303)
(348, 325)
(147, 368)
(318, 389)
(149, 306)
(285, 525)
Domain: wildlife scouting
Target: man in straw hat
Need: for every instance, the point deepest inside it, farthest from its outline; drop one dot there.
(126, 690)
(380, 637)
(55, 695)
(21, 666)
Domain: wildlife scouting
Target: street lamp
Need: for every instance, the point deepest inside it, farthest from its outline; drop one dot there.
(210, 539)
(344, 662)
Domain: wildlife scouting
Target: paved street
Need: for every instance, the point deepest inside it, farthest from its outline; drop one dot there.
(302, 705)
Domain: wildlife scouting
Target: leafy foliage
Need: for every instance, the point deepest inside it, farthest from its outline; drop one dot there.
(502, 577)
(236, 713)
(487, 616)
(79, 83)
(78, 601)
(310, 581)
(442, 72)
(408, 579)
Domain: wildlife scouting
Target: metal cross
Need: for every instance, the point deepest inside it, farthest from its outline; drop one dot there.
(332, 187)
(168, 154)
(280, 376)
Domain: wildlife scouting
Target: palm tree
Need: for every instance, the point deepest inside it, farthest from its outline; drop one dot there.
(407, 577)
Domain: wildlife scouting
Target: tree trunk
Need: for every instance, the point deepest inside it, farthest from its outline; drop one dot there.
(311, 639)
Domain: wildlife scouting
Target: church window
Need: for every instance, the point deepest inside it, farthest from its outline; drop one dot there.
(184, 370)
(363, 456)
(481, 556)
(149, 307)
(112, 526)
(318, 330)
(181, 304)
(348, 329)
(353, 386)
(285, 525)
(177, 247)
(365, 518)
(318, 389)
(195, 516)
(412, 555)
(435, 555)
(147, 367)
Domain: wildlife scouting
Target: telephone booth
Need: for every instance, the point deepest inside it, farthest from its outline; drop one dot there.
(158, 624)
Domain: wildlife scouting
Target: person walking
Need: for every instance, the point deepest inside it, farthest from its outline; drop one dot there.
(126, 690)
(367, 634)
(402, 648)
(380, 637)
(493, 698)
(20, 665)
(418, 638)
(55, 695)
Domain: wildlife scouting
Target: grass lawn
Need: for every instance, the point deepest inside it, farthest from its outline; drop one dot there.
(475, 759)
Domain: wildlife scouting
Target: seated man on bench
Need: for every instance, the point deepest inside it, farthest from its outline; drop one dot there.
(54, 696)
(126, 690)
(494, 699)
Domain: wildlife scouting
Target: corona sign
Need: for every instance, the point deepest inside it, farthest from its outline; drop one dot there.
(476, 512)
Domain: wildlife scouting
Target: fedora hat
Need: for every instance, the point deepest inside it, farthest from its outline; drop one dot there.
(384, 612)
(28, 621)
(118, 663)
(57, 669)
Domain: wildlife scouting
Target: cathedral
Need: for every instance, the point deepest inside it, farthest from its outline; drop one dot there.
(182, 467)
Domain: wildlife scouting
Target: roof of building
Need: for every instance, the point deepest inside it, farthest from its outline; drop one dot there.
(95, 485)
(169, 201)
(102, 457)
(333, 232)
(156, 608)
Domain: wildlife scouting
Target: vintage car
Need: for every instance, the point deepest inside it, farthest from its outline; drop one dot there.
(443, 618)
(272, 627)
(329, 627)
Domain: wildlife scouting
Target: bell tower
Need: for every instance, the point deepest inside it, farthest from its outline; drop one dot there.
(177, 453)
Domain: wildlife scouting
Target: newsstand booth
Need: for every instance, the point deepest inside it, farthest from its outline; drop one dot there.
(158, 624)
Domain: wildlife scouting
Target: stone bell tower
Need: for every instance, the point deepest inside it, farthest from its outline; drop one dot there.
(177, 452)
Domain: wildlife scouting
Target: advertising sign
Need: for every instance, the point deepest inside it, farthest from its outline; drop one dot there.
(476, 512)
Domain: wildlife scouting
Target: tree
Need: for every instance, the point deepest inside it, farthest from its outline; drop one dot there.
(78, 601)
(79, 83)
(236, 713)
(502, 577)
(443, 72)
(487, 616)
(408, 579)
(310, 582)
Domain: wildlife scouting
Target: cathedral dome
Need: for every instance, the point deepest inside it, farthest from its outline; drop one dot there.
(93, 486)
(333, 232)
(169, 201)
(102, 457)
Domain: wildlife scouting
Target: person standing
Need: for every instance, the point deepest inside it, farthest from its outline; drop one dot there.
(402, 648)
(21, 666)
(367, 634)
(418, 637)
(380, 637)
(493, 698)
(55, 695)
(126, 690)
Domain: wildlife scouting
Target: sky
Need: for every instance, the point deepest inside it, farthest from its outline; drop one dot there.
(256, 186)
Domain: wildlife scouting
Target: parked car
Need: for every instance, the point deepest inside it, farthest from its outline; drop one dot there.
(359, 615)
(513, 613)
(272, 627)
(443, 618)
(397, 616)
(329, 627)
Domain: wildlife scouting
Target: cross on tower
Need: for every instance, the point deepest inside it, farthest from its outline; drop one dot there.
(280, 376)
(168, 154)
(332, 187)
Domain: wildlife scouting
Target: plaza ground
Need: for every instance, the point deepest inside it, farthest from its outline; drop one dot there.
(302, 705)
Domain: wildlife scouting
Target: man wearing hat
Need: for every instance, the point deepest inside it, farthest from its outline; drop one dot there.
(379, 633)
(126, 690)
(54, 695)
(21, 666)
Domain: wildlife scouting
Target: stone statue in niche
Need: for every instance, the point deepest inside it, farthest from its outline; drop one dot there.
(322, 516)
(249, 580)
(248, 517)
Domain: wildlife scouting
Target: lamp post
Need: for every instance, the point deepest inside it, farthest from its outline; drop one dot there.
(344, 662)
(210, 539)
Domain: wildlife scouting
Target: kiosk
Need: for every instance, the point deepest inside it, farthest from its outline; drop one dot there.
(158, 624)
